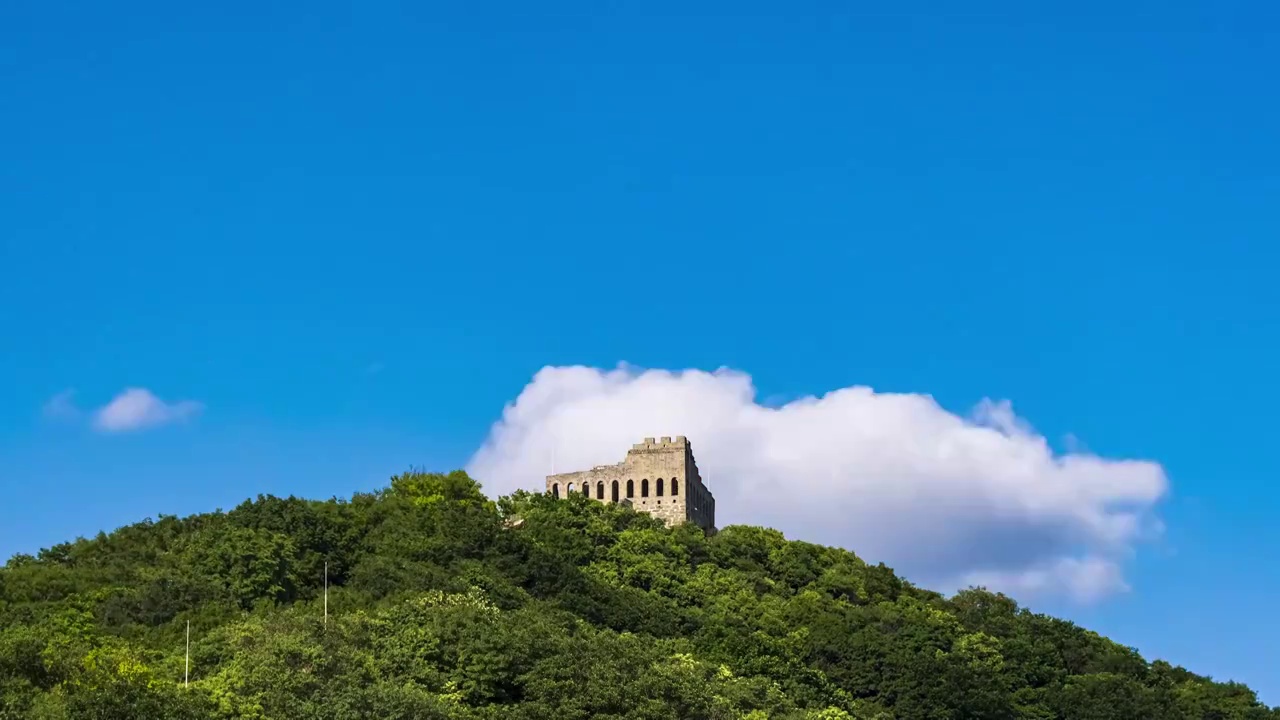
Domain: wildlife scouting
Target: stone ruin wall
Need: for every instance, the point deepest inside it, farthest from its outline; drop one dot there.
(646, 465)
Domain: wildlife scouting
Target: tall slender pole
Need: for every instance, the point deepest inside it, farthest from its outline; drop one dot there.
(326, 593)
(186, 672)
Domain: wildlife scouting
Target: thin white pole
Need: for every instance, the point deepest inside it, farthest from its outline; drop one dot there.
(186, 672)
(326, 593)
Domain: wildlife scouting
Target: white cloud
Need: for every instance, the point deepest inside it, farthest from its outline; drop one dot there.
(138, 408)
(61, 407)
(1086, 578)
(945, 499)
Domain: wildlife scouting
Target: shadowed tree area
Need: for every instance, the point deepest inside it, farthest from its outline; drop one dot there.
(446, 604)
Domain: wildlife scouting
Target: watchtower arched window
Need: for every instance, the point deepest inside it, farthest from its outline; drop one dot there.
(675, 486)
(615, 491)
(555, 490)
(586, 489)
(568, 490)
(644, 487)
(631, 488)
(600, 490)
(659, 483)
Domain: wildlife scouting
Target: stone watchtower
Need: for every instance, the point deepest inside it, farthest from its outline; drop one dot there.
(658, 477)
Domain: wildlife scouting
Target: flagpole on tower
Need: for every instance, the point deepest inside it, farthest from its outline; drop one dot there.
(326, 593)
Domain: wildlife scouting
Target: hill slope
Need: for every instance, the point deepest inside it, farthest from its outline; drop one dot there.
(444, 604)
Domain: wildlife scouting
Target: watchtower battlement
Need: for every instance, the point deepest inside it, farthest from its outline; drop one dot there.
(657, 476)
(664, 444)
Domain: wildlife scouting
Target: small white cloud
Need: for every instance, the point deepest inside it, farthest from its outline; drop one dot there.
(62, 407)
(949, 500)
(138, 408)
(1085, 580)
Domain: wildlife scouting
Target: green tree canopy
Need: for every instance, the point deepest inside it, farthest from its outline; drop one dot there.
(446, 604)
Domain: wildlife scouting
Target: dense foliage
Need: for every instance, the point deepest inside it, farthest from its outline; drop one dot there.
(444, 604)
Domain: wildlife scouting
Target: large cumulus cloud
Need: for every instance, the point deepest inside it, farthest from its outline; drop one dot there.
(948, 500)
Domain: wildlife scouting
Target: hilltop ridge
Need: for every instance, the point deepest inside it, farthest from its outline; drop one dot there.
(442, 605)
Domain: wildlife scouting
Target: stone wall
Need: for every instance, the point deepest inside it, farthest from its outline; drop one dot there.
(659, 477)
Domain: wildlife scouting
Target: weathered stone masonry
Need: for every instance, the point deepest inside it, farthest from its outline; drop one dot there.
(658, 477)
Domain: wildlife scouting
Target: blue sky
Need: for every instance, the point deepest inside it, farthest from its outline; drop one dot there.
(348, 235)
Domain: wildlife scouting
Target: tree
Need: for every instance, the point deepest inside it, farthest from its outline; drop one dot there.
(445, 604)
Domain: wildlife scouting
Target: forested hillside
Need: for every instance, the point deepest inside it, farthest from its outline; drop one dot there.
(445, 604)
